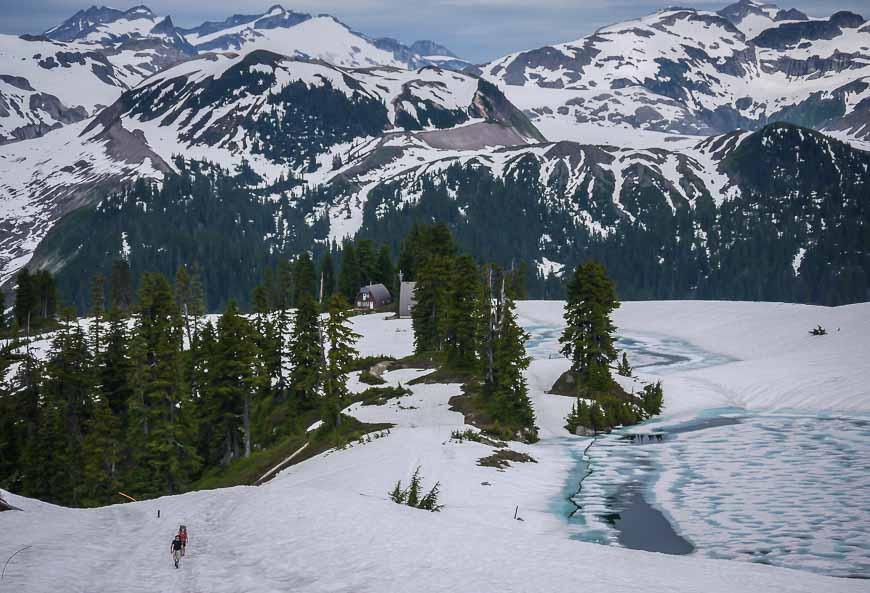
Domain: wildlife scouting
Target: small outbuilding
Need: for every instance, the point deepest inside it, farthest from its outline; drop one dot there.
(373, 297)
(407, 299)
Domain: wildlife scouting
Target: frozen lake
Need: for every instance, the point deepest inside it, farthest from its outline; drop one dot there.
(791, 490)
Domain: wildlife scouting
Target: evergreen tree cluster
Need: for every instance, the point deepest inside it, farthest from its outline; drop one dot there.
(605, 413)
(589, 336)
(466, 315)
(413, 495)
(36, 300)
(588, 342)
(148, 399)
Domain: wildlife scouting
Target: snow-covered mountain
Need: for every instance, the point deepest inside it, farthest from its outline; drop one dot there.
(281, 115)
(86, 62)
(691, 72)
(639, 128)
(106, 51)
(100, 24)
(320, 37)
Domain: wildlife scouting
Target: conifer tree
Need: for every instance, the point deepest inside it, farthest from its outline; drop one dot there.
(102, 455)
(349, 280)
(306, 354)
(25, 300)
(652, 399)
(211, 438)
(189, 298)
(121, 286)
(114, 364)
(408, 253)
(68, 391)
(233, 383)
(285, 284)
(487, 323)
(429, 314)
(588, 339)
(97, 313)
(386, 273)
(340, 339)
(167, 458)
(509, 392)
(596, 417)
(327, 275)
(461, 317)
(304, 278)
(367, 259)
(624, 369)
(579, 416)
(31, 417)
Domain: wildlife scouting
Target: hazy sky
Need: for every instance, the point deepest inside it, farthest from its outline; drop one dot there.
(478, 30)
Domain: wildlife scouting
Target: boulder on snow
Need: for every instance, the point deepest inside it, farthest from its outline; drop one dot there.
(583, 431)
(5, 506)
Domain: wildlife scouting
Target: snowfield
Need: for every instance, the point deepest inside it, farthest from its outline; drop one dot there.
(327, 524)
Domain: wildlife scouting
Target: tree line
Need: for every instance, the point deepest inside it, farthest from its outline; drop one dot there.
(148, 396)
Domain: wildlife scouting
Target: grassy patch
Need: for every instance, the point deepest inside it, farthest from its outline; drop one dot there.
(570, 384)
(246, 471)
(378, 396)
(477, 437)
(502, 459)
(475, 409)
(425, 360)
(444, 375)
(365, 363)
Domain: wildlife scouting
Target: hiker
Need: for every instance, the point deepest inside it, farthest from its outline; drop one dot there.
(176, 549)
(182, 534)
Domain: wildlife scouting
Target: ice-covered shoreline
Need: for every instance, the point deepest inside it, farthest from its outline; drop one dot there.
(326, 524)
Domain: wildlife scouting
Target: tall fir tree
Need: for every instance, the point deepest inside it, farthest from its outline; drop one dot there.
(461, 318)
(97, 313)
(69, 391)
(304, 277)
(386, 273)
(120, 286)
(102, 451)
(233, 383)
(429, 315)
(350, 278)
(509, 392)
(25, 300)
(306, 355)
(167, 457)
(327, 276)
(340, 339)
(588, 339)
(367, 258)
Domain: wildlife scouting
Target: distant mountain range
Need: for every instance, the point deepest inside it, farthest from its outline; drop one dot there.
(107, 51)
(634, 142)
(689, 72)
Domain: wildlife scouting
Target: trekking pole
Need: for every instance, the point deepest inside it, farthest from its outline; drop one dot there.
(3, 575)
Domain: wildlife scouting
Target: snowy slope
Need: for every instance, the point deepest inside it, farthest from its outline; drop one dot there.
(45, 178)
(321, 37)
(327, 525)
(36, 93)
(86, 62)
(99, 24)
(687, 71)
